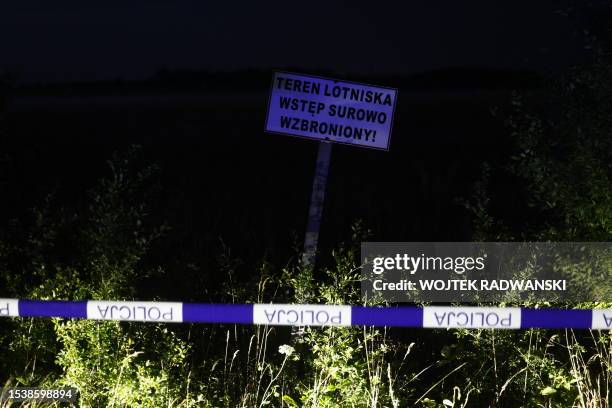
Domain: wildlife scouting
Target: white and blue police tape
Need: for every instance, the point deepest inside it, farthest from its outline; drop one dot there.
(313, 315)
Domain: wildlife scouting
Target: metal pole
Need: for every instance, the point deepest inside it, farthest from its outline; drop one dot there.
(315, 212)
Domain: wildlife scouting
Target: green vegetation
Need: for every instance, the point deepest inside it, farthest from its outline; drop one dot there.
(107, 250)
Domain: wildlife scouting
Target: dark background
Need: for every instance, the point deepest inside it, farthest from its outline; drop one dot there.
(72, 40)
(188, 81)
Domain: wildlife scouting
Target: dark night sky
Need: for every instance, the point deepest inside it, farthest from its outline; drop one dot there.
(59, 40)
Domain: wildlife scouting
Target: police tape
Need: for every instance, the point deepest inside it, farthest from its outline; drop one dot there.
(471, 317)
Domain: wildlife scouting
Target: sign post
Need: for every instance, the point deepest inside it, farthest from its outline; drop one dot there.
(329, 111)
(317, 200)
